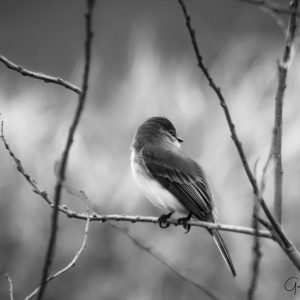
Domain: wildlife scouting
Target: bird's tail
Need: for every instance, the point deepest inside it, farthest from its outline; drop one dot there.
(222, 247)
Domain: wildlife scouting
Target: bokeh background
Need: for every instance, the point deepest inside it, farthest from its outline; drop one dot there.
(143, 65)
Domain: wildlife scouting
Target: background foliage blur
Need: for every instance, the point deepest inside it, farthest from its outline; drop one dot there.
(143, 65)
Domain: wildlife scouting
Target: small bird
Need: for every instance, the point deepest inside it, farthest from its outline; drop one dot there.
(170, 179)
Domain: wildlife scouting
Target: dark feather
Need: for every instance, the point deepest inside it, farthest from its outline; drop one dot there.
(181, 176)
(223, 249)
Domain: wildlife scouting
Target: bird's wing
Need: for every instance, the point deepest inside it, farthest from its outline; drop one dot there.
(182, 177)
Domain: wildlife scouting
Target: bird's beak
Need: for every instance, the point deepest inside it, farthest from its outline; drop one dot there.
(179, 140)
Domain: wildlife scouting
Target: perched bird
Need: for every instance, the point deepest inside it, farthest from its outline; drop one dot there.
(170, 179)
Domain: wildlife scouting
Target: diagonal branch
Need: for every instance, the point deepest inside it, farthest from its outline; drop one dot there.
(277, 133)
(68, 266)
(37, 75)
(287, 245)
(273, 6)
(142, 244)
(179, 272)
(11, 287)
(66, 151)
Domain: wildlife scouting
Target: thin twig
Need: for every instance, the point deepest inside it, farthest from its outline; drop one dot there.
(72, 262)
(66, 151)
(287, 245)
(102, 218)
(37, 75)
(157, 255)
(265, 168)
(256, 252)
(218, 92)
(271, 5)
(21, 169)
(11, 286)
(279, 21)
(143, 245)
(277, 137)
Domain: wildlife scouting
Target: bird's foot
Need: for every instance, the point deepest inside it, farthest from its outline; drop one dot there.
(183, 222)
(162, 220)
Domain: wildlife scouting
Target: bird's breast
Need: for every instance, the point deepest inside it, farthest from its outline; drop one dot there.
(152, 189)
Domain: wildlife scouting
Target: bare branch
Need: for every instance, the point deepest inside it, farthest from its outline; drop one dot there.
(271, 5)
(179, 272)
(256, 252)
(11, 287)
(265, 169)
(143, 245)
(97, 217)
(20, 168)
(277, 133)
(279, 21)
(218, 92)
(143, 219)
(102, 218)
(66, 151)
(72, 262)
(287, 245)
(38, 75)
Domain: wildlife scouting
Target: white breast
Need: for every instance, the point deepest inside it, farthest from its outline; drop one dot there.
(153, 190)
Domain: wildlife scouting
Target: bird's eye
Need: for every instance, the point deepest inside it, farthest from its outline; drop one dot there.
(171, 131)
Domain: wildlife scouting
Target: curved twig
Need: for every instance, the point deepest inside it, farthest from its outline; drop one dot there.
(69, 265)
(37, 75)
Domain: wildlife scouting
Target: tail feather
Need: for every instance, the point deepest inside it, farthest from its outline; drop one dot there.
(222, 247)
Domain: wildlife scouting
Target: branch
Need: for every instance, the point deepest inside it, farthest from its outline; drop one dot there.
(72, 262)
(142, 244)
(145, 247)
(271, 5)
(179, 272)
(277, 133)
(282, 239)
(256, 252)
(40, 76)
(262, 184)
(66, 151)
(11, 287)
(154, 220)
(133, 219)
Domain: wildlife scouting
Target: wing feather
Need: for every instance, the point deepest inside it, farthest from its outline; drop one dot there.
(183, 177)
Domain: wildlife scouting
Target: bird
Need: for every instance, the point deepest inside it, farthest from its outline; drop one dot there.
(171, 180)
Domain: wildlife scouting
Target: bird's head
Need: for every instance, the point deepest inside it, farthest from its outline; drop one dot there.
(156, 131)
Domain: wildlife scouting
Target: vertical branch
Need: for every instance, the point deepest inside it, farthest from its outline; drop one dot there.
(11, 287)
(277, 135)
(256, 252)
(66, 151)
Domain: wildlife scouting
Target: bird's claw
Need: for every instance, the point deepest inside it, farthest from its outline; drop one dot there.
(162, 220)
(183, 222)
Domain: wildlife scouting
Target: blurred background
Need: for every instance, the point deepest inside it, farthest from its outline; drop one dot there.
(143, 65)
